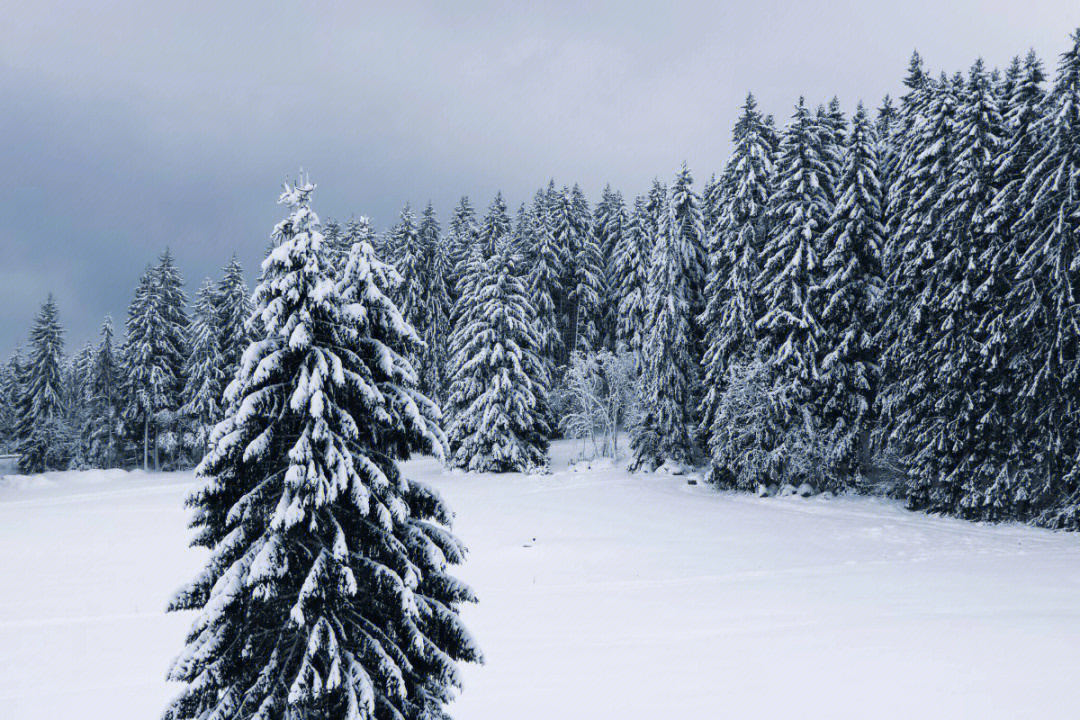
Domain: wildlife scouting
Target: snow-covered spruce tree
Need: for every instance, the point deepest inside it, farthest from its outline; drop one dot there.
(789, 326)
(148, 378)
(106, 402)
(732, 307)
(630, 269)
(1002, 329)
(173, 352)
(834, 130)
(663, 432)
(499, 392)
(326, 593)
(1049, 274)
(884, 127)
(690, 228)
(609, 226)
(545, 272)
(43, 431)
(851, 289)
(459, 241)
(9, 402)
(233, 308)
(583, 271)
(711, 199)
(337, 242)
(917, 310)
(437, 308)
(357, 230)
(204, 375)
(955, 443)
(76, 401)
(913, 218)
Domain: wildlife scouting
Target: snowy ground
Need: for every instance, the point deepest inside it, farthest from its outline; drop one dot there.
(640, 597)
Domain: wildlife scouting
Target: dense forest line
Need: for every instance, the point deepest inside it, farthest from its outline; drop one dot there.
(877, 303)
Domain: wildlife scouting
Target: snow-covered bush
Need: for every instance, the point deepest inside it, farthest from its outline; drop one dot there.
(597, 393)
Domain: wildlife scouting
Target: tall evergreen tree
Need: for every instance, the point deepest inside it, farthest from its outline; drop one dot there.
(663, 432)
(173, 350)
(106, 402)
(326, 593)
(609, 226)
(9, 402)
(631, 271)
(544, 287)
(732, 305)
(498, 395)
(204, 374)
(43, 432)
(437, 308)
(690, 226)
(851, 290)
(459, 242)
(789, 327)
(1049, 276)
(148, 376)
(234, 311)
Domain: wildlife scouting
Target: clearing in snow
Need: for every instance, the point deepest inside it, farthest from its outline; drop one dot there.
(602, 595)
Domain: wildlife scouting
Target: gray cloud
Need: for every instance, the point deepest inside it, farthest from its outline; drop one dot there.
(127, 127)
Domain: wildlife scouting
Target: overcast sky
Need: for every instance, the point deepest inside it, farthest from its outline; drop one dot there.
(126, 127)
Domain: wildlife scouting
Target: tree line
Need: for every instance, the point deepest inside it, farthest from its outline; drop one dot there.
(875, 303)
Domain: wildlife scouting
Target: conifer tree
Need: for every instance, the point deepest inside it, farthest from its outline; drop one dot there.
(173, 351)
(437, 308)
(631, 271)
(498, 395)
(459, 242)
(408, 254)
(732, 305)
(326, 593)
(149, 379)
(609, 226)
(42, 429)
(663, 432)
(233, 311)
(851, 290)
(106, 406)
(1049, 198)
(913, 232)
(204, 375)
(789, 327)
(544, 287)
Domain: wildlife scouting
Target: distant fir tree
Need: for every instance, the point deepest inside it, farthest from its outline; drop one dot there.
(42, 428)
(337, 243)
(789, 326)
(663, 432)
(76, 400)
(885, 126)
(357, 230)
(234, 320)
(1049, 275)
(1003, 330)
(834, 130)
(583, 279)
(912, 316)
(732, 306)
(609, 226)
(437, 308)
(173, 313)
(459, 242)
(690, 226)
(106, 402)
(630, 267)
(498, 395)
(711, 201)
(851, 290)
(326, 593)
(204, 372)
(522, 239)
(9, 402)
(409, 255)
(495, 229)
(544, 287)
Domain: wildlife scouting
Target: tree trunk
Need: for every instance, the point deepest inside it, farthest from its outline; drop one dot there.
(145, 443)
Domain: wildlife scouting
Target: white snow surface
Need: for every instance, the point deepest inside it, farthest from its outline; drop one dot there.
(602, 595)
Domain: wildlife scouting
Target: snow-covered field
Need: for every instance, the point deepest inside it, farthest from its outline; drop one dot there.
(602, 595)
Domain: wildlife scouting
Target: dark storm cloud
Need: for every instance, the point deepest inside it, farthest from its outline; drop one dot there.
(126, 127)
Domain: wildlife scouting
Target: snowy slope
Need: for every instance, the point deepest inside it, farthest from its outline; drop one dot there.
(641, 597)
